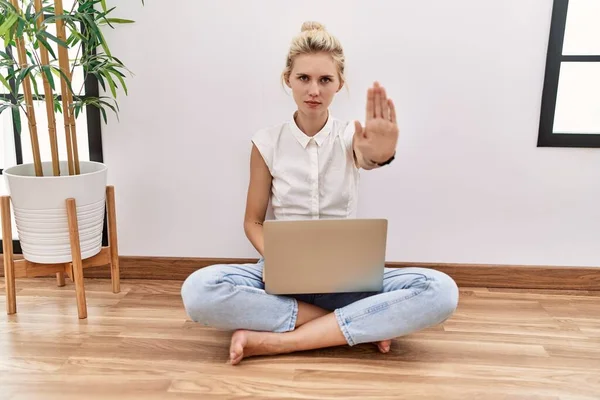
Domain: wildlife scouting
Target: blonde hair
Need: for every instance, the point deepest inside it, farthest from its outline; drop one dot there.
(314, 38)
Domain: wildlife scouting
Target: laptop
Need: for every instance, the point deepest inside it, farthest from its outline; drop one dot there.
(324, 256)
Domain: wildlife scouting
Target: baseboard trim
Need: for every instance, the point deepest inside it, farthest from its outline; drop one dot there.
(466, 275)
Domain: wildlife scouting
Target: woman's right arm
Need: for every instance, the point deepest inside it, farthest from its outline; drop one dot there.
(257, 200)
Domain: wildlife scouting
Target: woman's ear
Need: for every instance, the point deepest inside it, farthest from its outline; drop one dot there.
(341, 86)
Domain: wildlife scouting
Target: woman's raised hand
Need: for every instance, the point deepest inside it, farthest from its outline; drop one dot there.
(377, 140)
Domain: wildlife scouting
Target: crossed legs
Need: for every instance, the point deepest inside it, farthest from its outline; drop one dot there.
(232, 297)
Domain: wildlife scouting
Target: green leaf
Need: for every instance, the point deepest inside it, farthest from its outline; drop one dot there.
(7, 105)
(57, 105)
(45, 43)
(5, 83)
(87, 6)
(55, 71)
(102, 16)
(48, 72)
(111, 83)
(119, 21)
(121, 80)
(35, 86)
(7, 4)
(11, 76)
(30, 56)
(114, 70)
(53, 38)
(69, 19)
(12, 73)
(110, 105)
(8, 23)
(103, 3)
(98, 33)
(103, 115)
(75, 38)
(64, 76)
(28, 10)
(41, 13)
(16, 115)
(24, 72)
(20, 28)
(100, 80)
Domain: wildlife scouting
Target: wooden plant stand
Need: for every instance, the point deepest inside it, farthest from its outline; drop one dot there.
(108, 255)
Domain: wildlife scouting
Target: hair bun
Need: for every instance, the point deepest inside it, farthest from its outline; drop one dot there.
(312, 26)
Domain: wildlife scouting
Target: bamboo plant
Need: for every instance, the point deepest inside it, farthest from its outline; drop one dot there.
(24, 27)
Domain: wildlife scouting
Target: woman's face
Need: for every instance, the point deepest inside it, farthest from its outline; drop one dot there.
(314, 81)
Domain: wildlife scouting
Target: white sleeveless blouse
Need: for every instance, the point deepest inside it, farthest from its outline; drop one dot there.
(313, 177)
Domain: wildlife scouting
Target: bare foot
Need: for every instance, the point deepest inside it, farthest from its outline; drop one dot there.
(384, 346)
(246, 343)
(250, 343)
(239, 341)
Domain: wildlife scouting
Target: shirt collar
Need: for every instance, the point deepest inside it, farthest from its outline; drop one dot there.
(319, 138)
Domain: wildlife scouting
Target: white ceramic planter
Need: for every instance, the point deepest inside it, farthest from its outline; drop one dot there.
(40, 209)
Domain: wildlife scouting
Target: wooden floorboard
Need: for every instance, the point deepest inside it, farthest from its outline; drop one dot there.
(139, 344)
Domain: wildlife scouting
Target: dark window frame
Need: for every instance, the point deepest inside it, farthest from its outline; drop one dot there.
(554, 59)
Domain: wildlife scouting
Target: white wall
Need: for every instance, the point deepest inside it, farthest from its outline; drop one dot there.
(469, 184)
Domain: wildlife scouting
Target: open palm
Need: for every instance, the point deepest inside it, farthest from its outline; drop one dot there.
(377, 140)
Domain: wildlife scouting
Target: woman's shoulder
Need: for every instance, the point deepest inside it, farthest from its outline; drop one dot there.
(270, 133)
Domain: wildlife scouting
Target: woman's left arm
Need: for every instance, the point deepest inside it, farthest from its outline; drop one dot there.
(375, 145)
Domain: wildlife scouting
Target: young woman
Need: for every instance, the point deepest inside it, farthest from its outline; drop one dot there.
(308, 167)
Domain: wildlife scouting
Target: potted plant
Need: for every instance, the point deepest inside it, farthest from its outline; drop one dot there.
(40, 38)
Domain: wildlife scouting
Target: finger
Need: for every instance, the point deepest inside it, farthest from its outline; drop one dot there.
(392, 111)
(357, 128)
(385, 109)
(378, 107)
(370, 103)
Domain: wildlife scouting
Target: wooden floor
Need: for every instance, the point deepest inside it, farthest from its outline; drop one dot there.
(500, 344)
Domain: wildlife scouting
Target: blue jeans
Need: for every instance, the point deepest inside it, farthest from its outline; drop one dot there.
(232, 296)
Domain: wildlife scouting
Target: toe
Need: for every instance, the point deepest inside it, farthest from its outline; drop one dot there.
(384, 346)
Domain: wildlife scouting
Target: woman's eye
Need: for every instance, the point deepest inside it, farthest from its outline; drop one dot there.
(303, 78)
(325, 80)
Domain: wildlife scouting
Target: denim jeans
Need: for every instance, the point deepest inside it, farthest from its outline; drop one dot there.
(232, 296)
